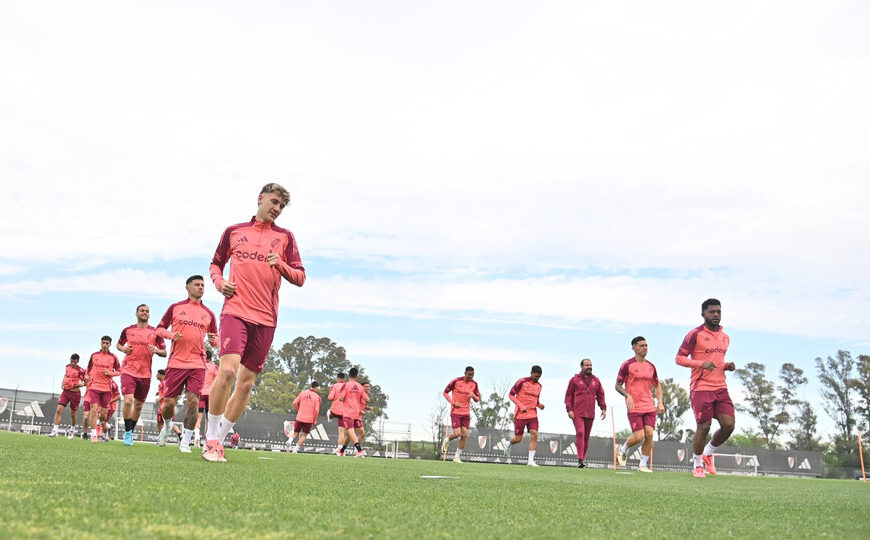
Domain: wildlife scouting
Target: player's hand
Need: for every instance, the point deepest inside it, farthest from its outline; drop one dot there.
(107, 373)
(660, 409)
(177, 336)
(729, 366)
(541, 406)
(454, 405)
(524, 410)
(212, 339)
(709, 366)
(272, 258)
(571, 415)
(126, 349)
(603, 414)
(152, 349)
(228, 289)
(629, 403)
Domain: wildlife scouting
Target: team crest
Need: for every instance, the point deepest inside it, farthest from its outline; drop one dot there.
(3, 402)
(287, 428)
(481, 441)
(791, 462)
(554, 445)
(738, 458)
(681, 454)
(275, 242)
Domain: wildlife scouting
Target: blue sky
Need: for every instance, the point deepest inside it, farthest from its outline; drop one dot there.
(495, 184)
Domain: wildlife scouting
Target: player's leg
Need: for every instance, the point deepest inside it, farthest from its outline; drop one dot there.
(646, 448)
(93, 417)
(463, 438)
(533, 443)
(635, 422)
(723, 411)
(190, 412)
(238, 400)
(73, 418)
(360, 432)
(57, 416)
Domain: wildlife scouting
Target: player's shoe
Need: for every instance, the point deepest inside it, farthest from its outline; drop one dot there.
(214, 451)
(698, 472)
(361, 453)
(296, 449)
(104, 438)
(71, 435)
(580, 464)
(161, 439)
(95, 439)
(185, 449)
(84, 436)
(128, 438)
(708, 463)
(532, 464)
(644, 468)
(329, 414)
(456, 459)
(621, 457)
(507, 450)
(53, 433)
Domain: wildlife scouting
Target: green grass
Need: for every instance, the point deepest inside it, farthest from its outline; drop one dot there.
(56, 487)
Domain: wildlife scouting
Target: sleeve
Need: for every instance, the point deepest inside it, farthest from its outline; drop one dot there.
(162, 329)
(90, 364)
(159, 342)
(364, 398)
(686, 349)
(220, 259)
(569, 396)
(476, 390)
(515, 390)
(333, 393)
(290, 266)
(296, 401)
(123, 338)
(655, 376)
(599, 396)
(317, 408)
(450, 386)
(212, 326)
(623, 372)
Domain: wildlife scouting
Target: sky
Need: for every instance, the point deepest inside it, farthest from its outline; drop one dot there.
(497, 184)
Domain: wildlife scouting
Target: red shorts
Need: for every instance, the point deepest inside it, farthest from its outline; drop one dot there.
(112, 408)
(519, 425)
(709, 403)
(349, 423)
(460, 420)
(138, 386)
(637, 421)
(302, 427)
(97, 397)
(248, 340)
(203, 403)
(71, 398)
(179, 378)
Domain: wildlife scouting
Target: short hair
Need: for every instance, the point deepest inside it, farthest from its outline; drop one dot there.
(278, 189)
(193, 278)
(314, 384)
(469, 368)
(105, 338)
(141, 305)
(353, 372)
(637, 339)
(161, 372)
(341, 375)
(75, 356)
(537, 369)
(208, 354)
(585, 360)
(710, 302)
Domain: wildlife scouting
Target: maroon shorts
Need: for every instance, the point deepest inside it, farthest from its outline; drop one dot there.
(460, 420)
(138, 386)
(709, 403)
(336, 417)
(349, 423)
(248, 340)
(112, 408)
(178, 378)
(71, 398)
(203, 403)
(637, 421)
(520, 425)
(97, 397)
(86, 405)
(302, 427)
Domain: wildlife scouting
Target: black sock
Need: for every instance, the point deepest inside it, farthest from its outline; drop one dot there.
(343, 448)
(132, 425)
(126, 424)
(358, 447)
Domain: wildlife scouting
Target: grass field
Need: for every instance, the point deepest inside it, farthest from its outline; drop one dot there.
(57, 487)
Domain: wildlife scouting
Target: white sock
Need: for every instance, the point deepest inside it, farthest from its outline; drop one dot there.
(458, 452)
(698, 461)
(54, 428)
(624, 447)
(644, 460)
(709, 450)
(214, 426)
(186, 434)
(93, 432)
(225, 427)
(531, 456)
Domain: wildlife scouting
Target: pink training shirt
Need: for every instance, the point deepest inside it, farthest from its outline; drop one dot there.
(194, 321)
(72, 376)
(704, 345)
(211, 371)
(138, 362)
(638, 377)
(97, 365)
(525, 394)
(334, 392)
(307, 405)
(257, 283)
(355, 400)
(461, 392)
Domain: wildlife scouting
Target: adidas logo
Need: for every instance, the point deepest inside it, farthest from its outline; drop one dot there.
(636, 455)
(319, 433)
(243, 239)
(805, 465)
(500, 445)
(570, 450)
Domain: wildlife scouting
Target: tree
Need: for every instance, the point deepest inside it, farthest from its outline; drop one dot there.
(274, 393)
(766, 402)
(676, 401)
(835, 378)
(747, 439)
(435, 426)
(862, 386)
(804, 431)
(494, 412)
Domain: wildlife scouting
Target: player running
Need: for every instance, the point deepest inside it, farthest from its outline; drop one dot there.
(704, 350)
(307, 405)
(335, 409)
(354, 398)
(108, 424)
(140, 343)
(459, 393)
(261, 254)
(74, 378)
(211, 370)
(584, 389)
(102, 366)
(525, 393)
(638, 375)
(161, 388)
(192, 323)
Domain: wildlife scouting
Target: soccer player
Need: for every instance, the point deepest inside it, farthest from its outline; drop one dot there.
(211, 370)
(307, 405)
(354, 398)
(704, 350)
(584, 389)
(335, 408)
(261, 254)
(139, 342)
(525, 393)
(102, 366)
(108, 424)
(192, 323)
(74, 377)
(638, 375)
(459, 393)
(161, 388)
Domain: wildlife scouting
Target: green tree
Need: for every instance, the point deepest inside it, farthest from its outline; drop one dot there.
(748, 439)
(764, 401)
(675, 398)
(862, 387)
(494, 412)
(837, 387)
(274, 393)
(804, 429)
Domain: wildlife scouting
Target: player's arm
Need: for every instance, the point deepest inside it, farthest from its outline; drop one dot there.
(599, 396)
(686, 349)
(475, 395)
(163, 326)
(620, 389)
(291, 270)
(296, 401)
(121, 345)
(730, 366)
(660, 406)
(569, 398)
(218, 262)
(446, 394)
(513, 395)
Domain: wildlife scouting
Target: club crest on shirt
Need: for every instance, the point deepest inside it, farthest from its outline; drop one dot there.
(287, 428)
(554, 445)
(275, 242)
(481, 441)
(681, 454)
(791, 462)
